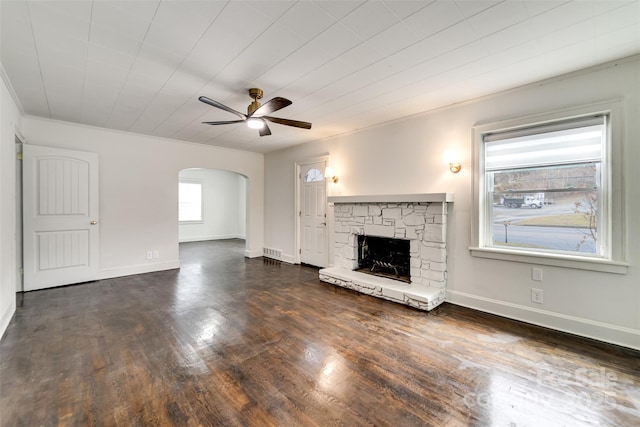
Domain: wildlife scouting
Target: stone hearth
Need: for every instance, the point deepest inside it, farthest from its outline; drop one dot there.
(419, 218)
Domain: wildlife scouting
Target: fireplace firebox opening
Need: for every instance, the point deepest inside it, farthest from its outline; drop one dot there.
(383, 256)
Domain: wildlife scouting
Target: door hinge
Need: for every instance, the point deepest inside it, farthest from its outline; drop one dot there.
(19, 156)
(300, 251)
(21, 271)
(299, 213)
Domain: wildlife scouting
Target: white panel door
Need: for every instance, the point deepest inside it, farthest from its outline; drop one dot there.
(313, 215)
(60, 215)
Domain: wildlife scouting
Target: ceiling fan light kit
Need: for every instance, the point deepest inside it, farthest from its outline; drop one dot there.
(256, 117)
(254, 123)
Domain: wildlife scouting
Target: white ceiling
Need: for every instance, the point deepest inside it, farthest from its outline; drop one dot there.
(140, 65)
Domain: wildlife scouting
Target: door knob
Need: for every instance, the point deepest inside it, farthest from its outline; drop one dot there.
(94, 222)
(323, 223)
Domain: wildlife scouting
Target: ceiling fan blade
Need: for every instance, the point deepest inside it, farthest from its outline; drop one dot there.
(222, 107)
(224, 122)
(271, 105)
(264, 130)
(288, 122)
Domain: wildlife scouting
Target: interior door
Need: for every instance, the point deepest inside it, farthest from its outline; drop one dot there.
(313, 215)
(60, 216)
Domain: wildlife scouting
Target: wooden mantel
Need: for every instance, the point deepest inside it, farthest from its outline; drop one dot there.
(394, 198)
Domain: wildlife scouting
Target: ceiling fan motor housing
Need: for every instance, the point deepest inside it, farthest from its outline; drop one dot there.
(256, 94)
(252, 107)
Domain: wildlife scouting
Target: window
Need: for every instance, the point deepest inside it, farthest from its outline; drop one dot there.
(189, 201)
(544, 190)
(313, 175)
(545, 186)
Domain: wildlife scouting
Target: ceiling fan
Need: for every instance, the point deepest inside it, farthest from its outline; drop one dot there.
(256, 117)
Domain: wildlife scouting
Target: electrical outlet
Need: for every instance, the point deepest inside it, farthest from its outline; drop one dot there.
(536, 274)
(156, 254)
(536, 295)
(149, 255)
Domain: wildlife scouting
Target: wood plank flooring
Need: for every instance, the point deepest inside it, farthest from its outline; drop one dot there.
(229, 341)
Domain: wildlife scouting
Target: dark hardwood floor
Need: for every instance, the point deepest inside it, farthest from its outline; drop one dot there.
(229, 341)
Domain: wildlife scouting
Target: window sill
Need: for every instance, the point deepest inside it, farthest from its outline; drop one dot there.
(580, 263)
(190, 222)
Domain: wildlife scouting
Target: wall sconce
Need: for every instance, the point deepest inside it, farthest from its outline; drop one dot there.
(330, 174)
(451, 157)
(455, 167)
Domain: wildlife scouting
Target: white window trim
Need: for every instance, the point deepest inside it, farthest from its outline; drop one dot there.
(195, 181)
(616, 262)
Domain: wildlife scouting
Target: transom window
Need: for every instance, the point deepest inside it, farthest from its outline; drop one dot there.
(313, 175)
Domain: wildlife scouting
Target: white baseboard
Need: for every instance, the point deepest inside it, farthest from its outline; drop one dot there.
(600, 331)
(7, 315)
(205, 238)
(253, 253)
(109, 273)
(289, 259)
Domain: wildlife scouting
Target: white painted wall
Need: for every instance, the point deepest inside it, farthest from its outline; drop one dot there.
(10, 122)
(407, 157)
(139, 190)
(223, 206)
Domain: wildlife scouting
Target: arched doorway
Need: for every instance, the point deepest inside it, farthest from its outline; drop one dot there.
(212, 205)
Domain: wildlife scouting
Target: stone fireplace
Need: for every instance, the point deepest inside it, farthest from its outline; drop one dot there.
(418, 221)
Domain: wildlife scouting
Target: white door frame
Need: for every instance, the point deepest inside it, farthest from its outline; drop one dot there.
(19, 238)
(298, 208)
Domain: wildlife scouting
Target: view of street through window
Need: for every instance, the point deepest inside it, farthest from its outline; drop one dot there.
(565, 223)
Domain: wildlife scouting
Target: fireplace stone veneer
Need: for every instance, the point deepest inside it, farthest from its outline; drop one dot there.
(419, 218)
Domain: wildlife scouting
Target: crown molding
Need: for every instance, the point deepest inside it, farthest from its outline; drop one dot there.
(12, 92)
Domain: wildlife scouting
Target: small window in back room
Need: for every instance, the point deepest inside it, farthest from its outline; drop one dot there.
(190, 201)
